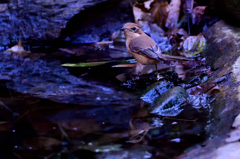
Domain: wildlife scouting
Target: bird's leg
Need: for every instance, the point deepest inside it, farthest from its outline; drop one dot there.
(138, 70)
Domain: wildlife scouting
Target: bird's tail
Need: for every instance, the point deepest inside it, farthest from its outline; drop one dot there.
(178, 58)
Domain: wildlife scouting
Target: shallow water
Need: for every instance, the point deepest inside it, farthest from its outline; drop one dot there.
(55, 112)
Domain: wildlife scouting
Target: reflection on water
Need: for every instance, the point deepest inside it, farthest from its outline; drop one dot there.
(54, 112)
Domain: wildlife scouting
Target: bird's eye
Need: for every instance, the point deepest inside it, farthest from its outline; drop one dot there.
(134, 28)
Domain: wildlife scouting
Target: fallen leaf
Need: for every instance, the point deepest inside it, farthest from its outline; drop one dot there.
(178, 58)
(202, 88)
(46, 143)
(148, 3)
(159, 12)
(85, 126)
(197, 14)
(4, 126)
(102, 148)
(140, 17)
(126, 65)
(138, 129)
(85, 64)
(182, 33)
(193, 45)
(173, 15)
(18, 48)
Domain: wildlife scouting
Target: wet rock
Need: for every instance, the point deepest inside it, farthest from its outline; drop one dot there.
(44, 77)
(222, 52)
(155, 90)
(169, 103)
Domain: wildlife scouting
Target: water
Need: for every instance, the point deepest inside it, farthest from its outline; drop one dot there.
(55, 112)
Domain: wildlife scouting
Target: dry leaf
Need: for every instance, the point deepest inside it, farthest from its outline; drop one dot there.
(197, 14)
(193, 45)
(18, 48)
(42, 142)
(140, 16)
(173, 15)
(176, 58)
(138, 129)
(126, 65)
(182, 33)
(159, 12)
(202, 88)
(147, 4)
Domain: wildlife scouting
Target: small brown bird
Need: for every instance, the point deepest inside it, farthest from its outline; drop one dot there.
(141, 46)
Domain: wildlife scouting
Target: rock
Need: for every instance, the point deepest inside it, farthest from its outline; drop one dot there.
(236, 122)
(169, 103)
(44, 77)
(230, 151)
(37, 19)
(43, 20)
(155, 90)
(232, 7)
(222, 52)
(98, 22)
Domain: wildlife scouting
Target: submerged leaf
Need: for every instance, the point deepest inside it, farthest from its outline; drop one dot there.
(85, 126)
(4, 126)
(42, 142)
(85, 64)
(102, 148)
(138, 128)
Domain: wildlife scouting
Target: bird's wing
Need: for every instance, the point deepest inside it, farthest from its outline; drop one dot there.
(146, 47)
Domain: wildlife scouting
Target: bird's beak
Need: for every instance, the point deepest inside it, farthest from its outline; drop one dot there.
(123, 28)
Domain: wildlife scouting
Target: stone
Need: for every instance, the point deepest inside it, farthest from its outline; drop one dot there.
(169, 103)
(154, 90)
(41, 21)
(232, 7)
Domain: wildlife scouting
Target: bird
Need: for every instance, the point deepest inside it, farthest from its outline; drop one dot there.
(142, 47)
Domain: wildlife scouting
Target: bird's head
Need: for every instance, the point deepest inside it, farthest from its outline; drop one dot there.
(132, 30)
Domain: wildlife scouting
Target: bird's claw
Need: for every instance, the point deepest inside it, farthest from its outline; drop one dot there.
(159, 77)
